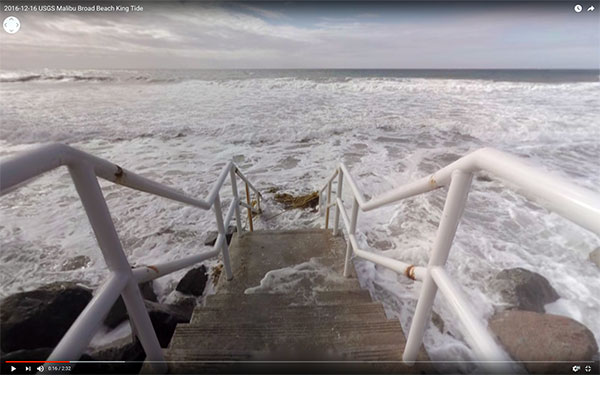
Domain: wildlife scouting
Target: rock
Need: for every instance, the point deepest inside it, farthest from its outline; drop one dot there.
(483, 178)
(118, 312)
(595, 256)
(530, 336)
(124, 349)
(186, 304)
(147, 289)
(165, 318)
(39, 318)
(75, 263)
(193, 282)
(211, 239)
(524, 290)
(437, 321)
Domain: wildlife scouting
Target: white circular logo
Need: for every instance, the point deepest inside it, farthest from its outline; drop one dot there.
(11, 25)
(578, 8)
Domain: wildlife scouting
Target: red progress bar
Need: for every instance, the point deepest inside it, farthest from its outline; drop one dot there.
(41, 362)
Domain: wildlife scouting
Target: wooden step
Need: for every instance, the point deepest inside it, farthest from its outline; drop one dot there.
(287, 335)
(248, 313)
(270, 300)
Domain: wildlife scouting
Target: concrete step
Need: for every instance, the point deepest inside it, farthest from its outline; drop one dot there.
(248, 312)
(270, 300)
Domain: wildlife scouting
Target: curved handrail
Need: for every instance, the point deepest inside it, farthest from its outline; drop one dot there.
(84, 169)
(579, 205)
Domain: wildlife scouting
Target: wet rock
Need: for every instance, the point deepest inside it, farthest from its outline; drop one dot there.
(75, 263)
(118, 312)
(186, 305)
(126, 349)
(483, 178)
(147, 290)
(39, 318)
(595, 256)
(193, 282)
(524, 290)
(211, 239)
(165, 318)
(437, 321)
(530, 336)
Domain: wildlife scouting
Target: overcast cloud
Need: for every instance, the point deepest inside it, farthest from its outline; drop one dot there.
(279, 35)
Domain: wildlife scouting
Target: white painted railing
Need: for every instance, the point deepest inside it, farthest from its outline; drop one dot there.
(576, 204)
(123, 280)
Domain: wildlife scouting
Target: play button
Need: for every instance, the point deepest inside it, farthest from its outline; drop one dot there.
(12, 368)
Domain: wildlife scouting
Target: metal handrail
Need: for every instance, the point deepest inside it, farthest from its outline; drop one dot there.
(123, 281)
(576, 204)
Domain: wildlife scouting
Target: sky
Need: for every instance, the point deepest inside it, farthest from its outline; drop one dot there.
(308, 35)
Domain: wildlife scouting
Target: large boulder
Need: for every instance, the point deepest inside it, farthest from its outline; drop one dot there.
(118, 312)
(193, 282)
(524, 290)
(39, 318)
(530, 336)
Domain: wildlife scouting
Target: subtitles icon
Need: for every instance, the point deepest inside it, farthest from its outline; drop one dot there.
(11, 24)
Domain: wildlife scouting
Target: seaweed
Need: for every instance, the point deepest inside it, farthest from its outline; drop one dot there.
(310, 200)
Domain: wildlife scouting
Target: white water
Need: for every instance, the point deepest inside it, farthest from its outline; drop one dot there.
(290, 133)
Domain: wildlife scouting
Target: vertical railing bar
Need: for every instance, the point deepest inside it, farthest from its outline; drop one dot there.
(90, 193)
(336, 220)
(221, 229)
(451, 214)
(236, 199)
(249, 210)
(347, 271)
(327, 200)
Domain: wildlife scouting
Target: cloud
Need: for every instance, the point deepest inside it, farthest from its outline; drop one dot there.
(253, 36)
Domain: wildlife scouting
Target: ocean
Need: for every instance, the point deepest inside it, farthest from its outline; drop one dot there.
(287, 130)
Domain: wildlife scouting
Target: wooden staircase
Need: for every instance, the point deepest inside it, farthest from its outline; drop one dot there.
(321, 322)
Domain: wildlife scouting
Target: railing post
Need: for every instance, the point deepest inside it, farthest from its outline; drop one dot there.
(98, 214)
(236, 198)
(336, 220)
(327, 200)
(347, 271)
(221, 229)
(453, 209)
(249, 210)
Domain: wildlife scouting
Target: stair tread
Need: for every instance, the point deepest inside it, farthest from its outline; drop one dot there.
(281, 300)
(248, 312)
